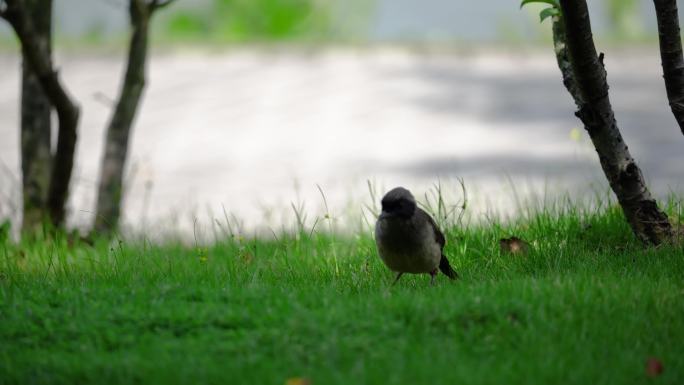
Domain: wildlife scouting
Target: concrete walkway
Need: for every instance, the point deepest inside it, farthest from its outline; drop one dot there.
(253, 130)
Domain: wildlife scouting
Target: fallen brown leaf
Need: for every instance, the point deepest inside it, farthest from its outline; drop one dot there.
(654, 367)
(298, 381)
(513, 245)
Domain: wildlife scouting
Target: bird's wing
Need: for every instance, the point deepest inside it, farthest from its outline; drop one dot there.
(439, 236)
(444, 265)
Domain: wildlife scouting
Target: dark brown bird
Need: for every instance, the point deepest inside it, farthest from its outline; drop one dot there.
(408, 239)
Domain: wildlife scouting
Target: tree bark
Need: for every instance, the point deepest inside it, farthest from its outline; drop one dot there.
(111, 188)
(67, 111)
(590, 91)
(36, 156)
(671, 56)
(118, 132)
(563, 60)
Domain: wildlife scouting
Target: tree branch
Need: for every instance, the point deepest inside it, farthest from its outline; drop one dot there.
(563, 60)
(671, 56)
(36, 126)
(110, 189)
(158, 4)
(67, 111)
(589, 88)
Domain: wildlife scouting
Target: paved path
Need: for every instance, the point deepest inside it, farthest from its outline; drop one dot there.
(252, 131)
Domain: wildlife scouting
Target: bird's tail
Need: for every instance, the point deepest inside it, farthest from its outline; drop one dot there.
(445, 267)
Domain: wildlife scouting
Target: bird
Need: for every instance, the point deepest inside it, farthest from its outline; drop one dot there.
(408, 239)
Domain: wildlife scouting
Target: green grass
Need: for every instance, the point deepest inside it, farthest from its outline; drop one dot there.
(587, 305)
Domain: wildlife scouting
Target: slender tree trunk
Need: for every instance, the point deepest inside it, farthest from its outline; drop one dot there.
(36, 156)
(67, 111)
(671, 56)
(563, 60)
(111, 187)
(589, 87)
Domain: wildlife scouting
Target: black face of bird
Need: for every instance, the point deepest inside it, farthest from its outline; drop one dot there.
(398, 202)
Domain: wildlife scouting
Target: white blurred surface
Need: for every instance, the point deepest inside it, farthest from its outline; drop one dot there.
(253, 130)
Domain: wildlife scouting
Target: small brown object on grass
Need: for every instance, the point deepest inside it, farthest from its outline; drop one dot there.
(513, 245)
(298, 381)
(654, 367)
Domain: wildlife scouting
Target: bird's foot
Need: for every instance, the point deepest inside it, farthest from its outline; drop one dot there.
(433, 274)
(397, 279)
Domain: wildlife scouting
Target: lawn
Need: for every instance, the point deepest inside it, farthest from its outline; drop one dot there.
(585, 305)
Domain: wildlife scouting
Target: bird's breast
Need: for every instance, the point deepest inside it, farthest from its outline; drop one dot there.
(405, 247)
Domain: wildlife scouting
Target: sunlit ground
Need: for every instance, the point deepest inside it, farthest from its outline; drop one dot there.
(251, 131)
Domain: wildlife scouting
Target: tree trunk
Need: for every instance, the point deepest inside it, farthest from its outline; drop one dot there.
(563, 60)
(67, 111)
(648, 222)
(671, 56)
(36, 156)
(111, 187)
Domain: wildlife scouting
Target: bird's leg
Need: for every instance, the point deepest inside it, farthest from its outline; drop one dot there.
(396, 279)
(433, 274)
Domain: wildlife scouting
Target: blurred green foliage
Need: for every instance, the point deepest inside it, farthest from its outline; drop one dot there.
(249, 20)
(624, 18)
(616, 21)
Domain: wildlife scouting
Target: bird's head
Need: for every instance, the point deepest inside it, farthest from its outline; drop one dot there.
(399, 202)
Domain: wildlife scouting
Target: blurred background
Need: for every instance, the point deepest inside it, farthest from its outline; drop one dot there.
(255, 109)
